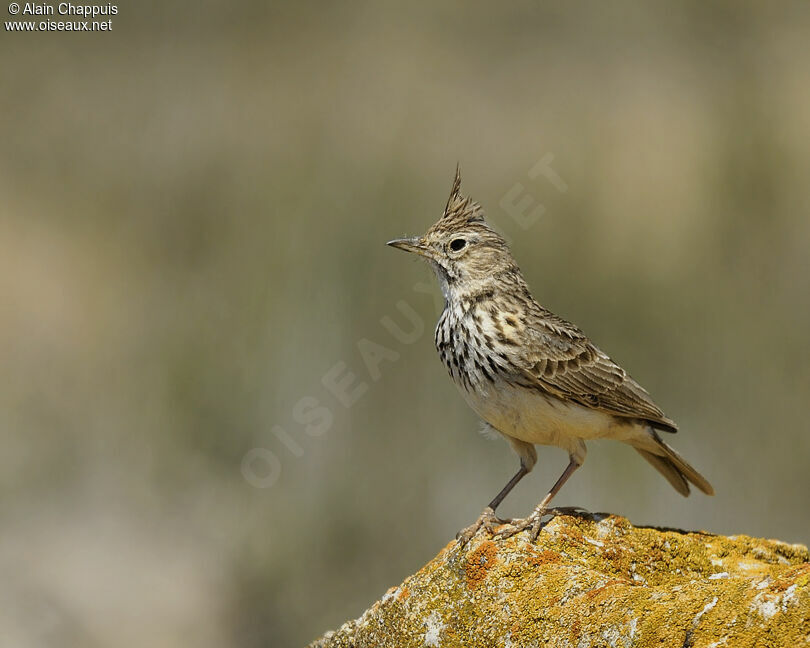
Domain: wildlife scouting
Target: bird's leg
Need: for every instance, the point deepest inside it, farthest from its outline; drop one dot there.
(533, 521)
(520, 474)
(488, 520)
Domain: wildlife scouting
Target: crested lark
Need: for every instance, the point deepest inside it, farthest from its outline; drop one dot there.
(530, 375)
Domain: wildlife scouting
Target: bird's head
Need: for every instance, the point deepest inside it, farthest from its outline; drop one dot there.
(463, 249)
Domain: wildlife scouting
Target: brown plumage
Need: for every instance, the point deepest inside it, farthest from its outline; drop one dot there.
(531, 375)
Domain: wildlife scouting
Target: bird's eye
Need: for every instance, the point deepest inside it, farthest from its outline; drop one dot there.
(457, 244)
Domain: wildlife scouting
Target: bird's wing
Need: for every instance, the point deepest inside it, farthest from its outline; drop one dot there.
(561, 361)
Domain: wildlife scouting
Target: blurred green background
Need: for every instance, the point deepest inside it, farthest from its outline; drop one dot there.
(193, 211)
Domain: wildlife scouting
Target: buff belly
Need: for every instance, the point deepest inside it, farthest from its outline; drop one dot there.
(532, 417)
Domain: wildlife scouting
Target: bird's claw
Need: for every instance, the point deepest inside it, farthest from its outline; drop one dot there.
(533, 523)
(487, 520)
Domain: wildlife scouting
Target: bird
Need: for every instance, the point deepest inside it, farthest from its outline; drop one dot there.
(530, 375)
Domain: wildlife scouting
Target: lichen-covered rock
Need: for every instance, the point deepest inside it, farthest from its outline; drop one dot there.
(596, 580)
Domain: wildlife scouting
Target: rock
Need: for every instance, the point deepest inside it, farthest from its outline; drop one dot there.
(596, 580)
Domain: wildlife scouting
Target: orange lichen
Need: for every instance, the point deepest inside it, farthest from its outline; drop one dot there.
(798, 575)
(575, 630)
(538, 558)
(479, 562)
(596, 592)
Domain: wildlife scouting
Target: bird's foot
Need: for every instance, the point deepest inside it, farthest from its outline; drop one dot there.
(533, 524)
(487, 520)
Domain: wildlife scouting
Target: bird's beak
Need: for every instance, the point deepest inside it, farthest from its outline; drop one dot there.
(415, 245)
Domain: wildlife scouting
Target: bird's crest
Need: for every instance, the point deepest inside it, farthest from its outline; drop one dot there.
(461, 209)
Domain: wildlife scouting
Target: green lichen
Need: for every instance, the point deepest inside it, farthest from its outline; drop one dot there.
(592, 580)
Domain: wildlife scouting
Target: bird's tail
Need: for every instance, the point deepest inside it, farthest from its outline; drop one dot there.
(670, 464)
